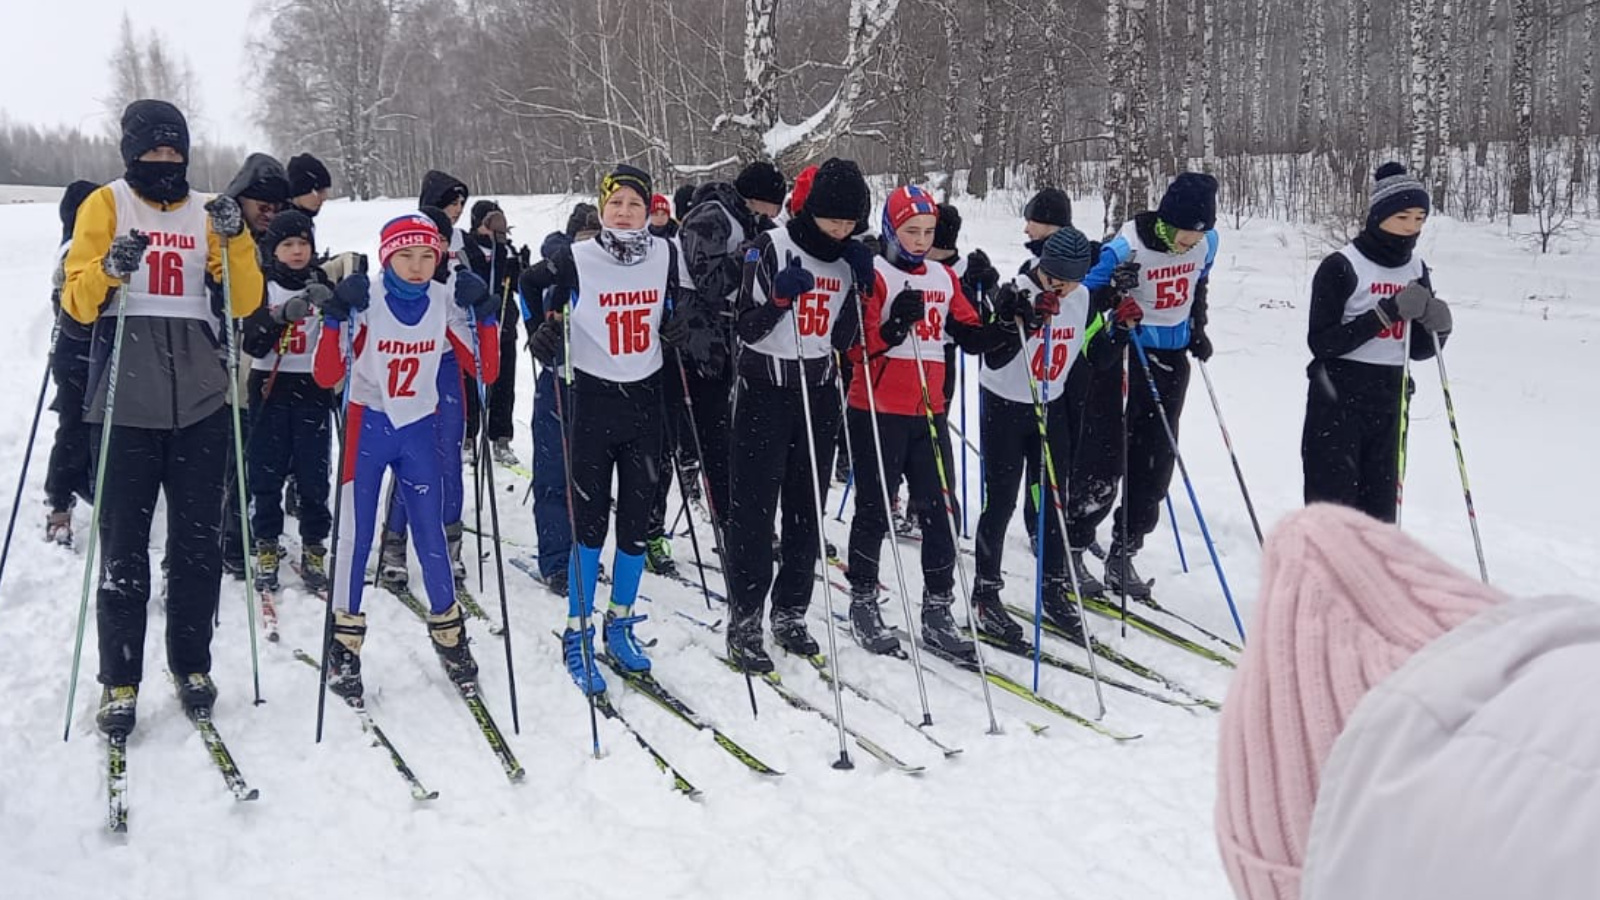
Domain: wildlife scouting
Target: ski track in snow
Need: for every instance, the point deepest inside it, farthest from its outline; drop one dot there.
(1065, 814)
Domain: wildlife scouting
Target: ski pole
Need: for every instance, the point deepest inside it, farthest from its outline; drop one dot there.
(711, 506)
(961, 386)
(494, 522)
(1172, 519)
(99, 497)
(585, 602)
(238, 466)
(27, 454)
(1122, 507)
(1404, 435)
(341, 423)
(1058, 501)
(1194, 501)
(849, 451)
(683, 514)
(1227, 441)
(1461, 460)
(950, 522)
(888, 516)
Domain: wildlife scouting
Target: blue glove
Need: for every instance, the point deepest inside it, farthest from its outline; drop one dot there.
(790, 282)
(352, 295)
(860, 257)
(472, 293)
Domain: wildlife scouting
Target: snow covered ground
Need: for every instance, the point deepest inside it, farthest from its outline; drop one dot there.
(1066, 814)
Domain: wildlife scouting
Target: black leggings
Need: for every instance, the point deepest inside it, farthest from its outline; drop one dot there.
(615, 429)
(1010, 449)
(908, 451)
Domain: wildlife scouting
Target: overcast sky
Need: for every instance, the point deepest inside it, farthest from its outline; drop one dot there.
(54, 69)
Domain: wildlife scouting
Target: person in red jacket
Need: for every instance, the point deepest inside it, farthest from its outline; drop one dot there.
(913, 307)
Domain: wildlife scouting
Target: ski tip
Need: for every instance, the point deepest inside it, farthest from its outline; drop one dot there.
(423, 795)
(248, 795)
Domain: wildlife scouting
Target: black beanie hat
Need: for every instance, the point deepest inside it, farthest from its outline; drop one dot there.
(148, 124)
(762, 181)
(682, 199)
(1051, 206)
(307, 175)
(839, 191)
(1066, 255)
(76, 193)
(287, 224)
(584, 218)
(1396, 190)
(626, 176)
(481, 210)
(440, 221)
(1190, 203)
(948, 231)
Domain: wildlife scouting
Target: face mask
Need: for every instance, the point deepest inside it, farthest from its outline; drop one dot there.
(626, 246)
(163, 182)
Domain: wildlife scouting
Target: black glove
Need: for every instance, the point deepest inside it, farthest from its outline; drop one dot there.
(227, 220)
(981, 273)
(790, 282)
(1014, 303)
(1125, 276)
(472, 293)
(1199, 345)
(907, 310)
(547, 341)
(125, 254)
(1436, 317)
(860, 257)
(352, 295)
(689, 337)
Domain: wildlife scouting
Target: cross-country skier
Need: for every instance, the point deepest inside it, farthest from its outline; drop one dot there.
(496, 260)
(309, 183)
(624, 296)
(401, 326)
(801, 270)
(147, 236)
(68, 475)
(1364, 298)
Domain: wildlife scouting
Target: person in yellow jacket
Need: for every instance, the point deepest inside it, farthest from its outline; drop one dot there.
(162, 246)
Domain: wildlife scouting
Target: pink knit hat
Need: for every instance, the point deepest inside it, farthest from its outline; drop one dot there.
(1345, 601)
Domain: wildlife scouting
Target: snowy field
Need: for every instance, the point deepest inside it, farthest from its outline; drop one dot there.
(1065, 814)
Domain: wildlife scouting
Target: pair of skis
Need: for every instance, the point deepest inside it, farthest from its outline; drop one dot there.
(216, 751)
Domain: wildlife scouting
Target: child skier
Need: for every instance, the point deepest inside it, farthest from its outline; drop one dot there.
(801, 269)
(617, 290)
(401, 326)
(1051, 302)
(494, 259)
(146, 236)
(912, 308)
(1163, 260)
(68, 476)
(288, 409)
(1363, 300)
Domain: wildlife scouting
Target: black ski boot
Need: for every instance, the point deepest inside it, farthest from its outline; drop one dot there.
(745, 648)
(1060, 609)
(939, 629)
(993, 620)
(449, 636)
(1087, 583)
(197, 692)
(1122, 576)
(344, 656)
(867, 623)
(789, 632)
(118, 710)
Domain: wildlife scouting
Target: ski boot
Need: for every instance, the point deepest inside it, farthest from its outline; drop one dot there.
(939, 629)
(267, 555)
(1087, 583)
(556, 582)
(621, 642)
(197, 692)
(58, 527)
(233, 563)
(658, 556)
(344, 656)
(790, 632)
(1060, 609)
(449, 636)
(452, 540)
(745, 648)
(1121, 576)
(867, 622)
(503, 453)
(581, 664)
(990, 612)
(392, 570)
(118, 710)
(314, 568)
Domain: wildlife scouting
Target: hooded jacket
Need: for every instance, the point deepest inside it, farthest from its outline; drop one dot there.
(436, 186)
(262, 178)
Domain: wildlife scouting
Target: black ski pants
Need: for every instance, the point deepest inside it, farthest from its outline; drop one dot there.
(289, 435)
(1350, 452)
(189, 465)
(1097, 458)
(1011, 453)
(502, 391)
(616, 430)
(908, 452)
(1150, 451)
(69, 473)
